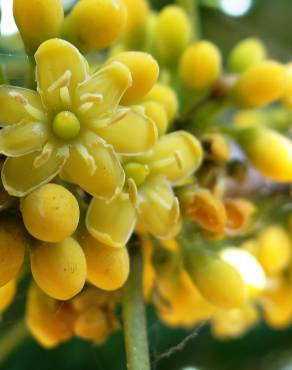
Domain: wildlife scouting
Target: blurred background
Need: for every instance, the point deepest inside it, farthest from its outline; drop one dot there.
(224, 22)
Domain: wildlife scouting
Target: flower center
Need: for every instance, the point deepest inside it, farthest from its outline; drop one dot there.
(136, 171)
(66, 125)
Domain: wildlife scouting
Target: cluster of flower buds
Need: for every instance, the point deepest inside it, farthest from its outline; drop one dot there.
(134, 126)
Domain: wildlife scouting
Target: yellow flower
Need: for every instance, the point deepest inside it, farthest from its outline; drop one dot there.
(148, 193)
(73, 124)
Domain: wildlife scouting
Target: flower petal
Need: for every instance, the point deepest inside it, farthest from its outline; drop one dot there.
(134, 133)
(159, 208)
(59, 65)
(96, 169)
(22, 138)
(13, 103)
(20, 176)
(176, 156)
(101, 93)
(111, 223)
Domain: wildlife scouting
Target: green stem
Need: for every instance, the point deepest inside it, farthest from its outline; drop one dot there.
(192, 9)
(30, 81)
(10, 340)
(134, 317)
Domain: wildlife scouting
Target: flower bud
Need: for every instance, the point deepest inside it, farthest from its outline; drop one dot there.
(274, 249)
(137, 15)
(173, 33)
(200, 65)
(37, 21)
(249, 268)
(269, 151)
(49, 321)
(245, 54)
(95, 24)
(260, 84)
(144, 71)
(166, 96)
(7, 293)
(218, 282)
(107, 267)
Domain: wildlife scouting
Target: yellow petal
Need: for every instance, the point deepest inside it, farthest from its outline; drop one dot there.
(96, 169)
(59, 64)
(134, 133)
(111, 223)
(22, 138)
(13, 108)
(102, 92)
(20, 176)
(176, 155)
(159, 208)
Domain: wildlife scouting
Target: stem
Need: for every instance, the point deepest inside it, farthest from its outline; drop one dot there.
(30, 81)
(10, 340)
(134, 317)
(192, 9)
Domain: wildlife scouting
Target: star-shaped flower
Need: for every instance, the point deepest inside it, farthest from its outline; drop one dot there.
(73, 124)
(148, 195)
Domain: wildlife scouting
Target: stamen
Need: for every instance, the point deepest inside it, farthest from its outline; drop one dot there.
(32, 111)
(161, 163)
(156, 198)
(85, 107)
(175, 210)
(124, 196)
(18, 98)
(87, 157)
(119, 115)
(65, 96)
(91, 98)
(133, 191)
(62, 81)
(179, 159)
(44, 156)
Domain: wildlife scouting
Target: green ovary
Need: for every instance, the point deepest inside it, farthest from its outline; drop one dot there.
(66, 125)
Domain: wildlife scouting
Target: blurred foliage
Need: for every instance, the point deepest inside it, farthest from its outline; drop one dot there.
(262, 348)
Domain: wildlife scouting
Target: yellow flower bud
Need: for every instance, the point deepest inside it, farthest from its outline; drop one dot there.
(107, 267)
(137, 15)
(166, 96)
(92, 324)
(12, 248)
(144, 71)
(245, 54)
(269, 151)
(37, 21)
(49, 321)
(274, 249)
(59, 268)
(277, 304)
(287, 96)
(157, 113)
(50, 213)
(200, 65)
(7, 293)
(218, 282)
(173, 33)
(178, 301)
(260, 84)
(95, 24)
(249, 268)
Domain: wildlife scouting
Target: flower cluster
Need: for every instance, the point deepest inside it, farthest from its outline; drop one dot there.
(134, 131)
